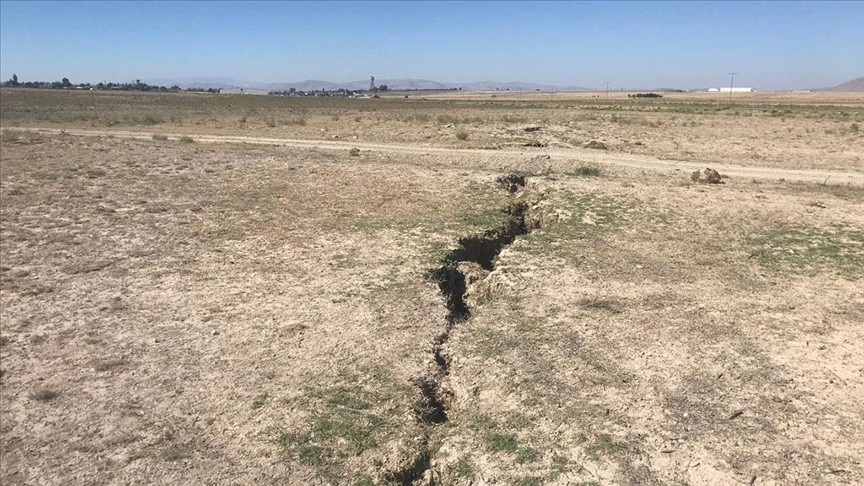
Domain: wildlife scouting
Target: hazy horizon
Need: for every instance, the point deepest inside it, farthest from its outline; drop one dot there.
(773, 45)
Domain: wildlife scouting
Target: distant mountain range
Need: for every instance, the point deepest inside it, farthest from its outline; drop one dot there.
(856, 84)
(392, 84)
(409, 84)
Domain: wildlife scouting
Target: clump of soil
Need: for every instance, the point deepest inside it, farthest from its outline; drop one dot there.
(595, 144)
(707, 176)
(511, 182)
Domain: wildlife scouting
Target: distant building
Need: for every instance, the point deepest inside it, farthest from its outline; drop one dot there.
(713, 90)
(737, 89)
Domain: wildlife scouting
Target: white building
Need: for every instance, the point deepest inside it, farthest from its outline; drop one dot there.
(713, 90)
(737, 89)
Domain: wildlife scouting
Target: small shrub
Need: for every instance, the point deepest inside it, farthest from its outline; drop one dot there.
(175, 454)
(43, 395)
(354, 152)
(853, 128)
(446, 119)
(271, 123)
(461, 134)
(152, 120)
(587, 171)
(358, 119)
(185, 139)
(242, 119)
(160, 138)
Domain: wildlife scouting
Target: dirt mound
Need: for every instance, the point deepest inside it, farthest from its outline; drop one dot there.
(595, 144)
(707, 176)
(512, 182)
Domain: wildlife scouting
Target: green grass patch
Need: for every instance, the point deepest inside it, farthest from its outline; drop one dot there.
(590, 215)
(605, 445)
(259, 401)
(464, 468)
(185, 139)
(345, 422)
(811, 249)
(160, 138)
(585, 170)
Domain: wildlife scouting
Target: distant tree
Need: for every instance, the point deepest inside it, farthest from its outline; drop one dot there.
(65, 83)
(383, 87)
(13, 81)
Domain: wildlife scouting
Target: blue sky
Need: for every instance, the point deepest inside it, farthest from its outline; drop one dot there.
(774, 45)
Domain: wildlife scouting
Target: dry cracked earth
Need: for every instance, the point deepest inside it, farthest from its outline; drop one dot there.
(227, 313)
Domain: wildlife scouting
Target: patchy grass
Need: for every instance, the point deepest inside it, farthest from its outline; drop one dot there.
(44, 395)
(843, 191)
(109, 365)
(589, 215)
(152, 120)
(612, 306)
(186, 139)
(259, 401)
(345, 424)
(175, 453)
(605, 445)
(464, 468)
(585, 170)
(159, 137)
(810, 249)
(462, 134)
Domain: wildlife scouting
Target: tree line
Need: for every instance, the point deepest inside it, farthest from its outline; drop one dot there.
(66, 84)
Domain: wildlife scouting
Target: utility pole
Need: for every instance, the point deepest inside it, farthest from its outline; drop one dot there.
(731, 85)
(607, 90)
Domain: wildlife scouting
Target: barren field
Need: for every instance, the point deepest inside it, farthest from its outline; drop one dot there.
(203, 289)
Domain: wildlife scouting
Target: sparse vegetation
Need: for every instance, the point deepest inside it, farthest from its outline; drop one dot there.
(109, 365)
(810, 249)
(44, 395)
(259, 401)
(186, 139)
(160, 138)
(584, 170)
(461, 134)
(152, 120)
(174, 453)
(136, 275)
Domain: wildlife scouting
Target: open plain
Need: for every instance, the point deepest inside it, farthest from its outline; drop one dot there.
(431, 288)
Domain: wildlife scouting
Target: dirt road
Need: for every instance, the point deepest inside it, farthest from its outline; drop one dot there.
(577, 155)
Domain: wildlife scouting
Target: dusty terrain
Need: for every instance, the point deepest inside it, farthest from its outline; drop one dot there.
(188, 298)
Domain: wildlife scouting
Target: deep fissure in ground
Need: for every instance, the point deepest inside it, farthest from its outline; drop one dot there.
(482, 249)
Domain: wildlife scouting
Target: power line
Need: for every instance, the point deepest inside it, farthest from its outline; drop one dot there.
(607, 89)
(731, 85)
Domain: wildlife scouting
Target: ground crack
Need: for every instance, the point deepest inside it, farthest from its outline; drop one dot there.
(434, 405)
